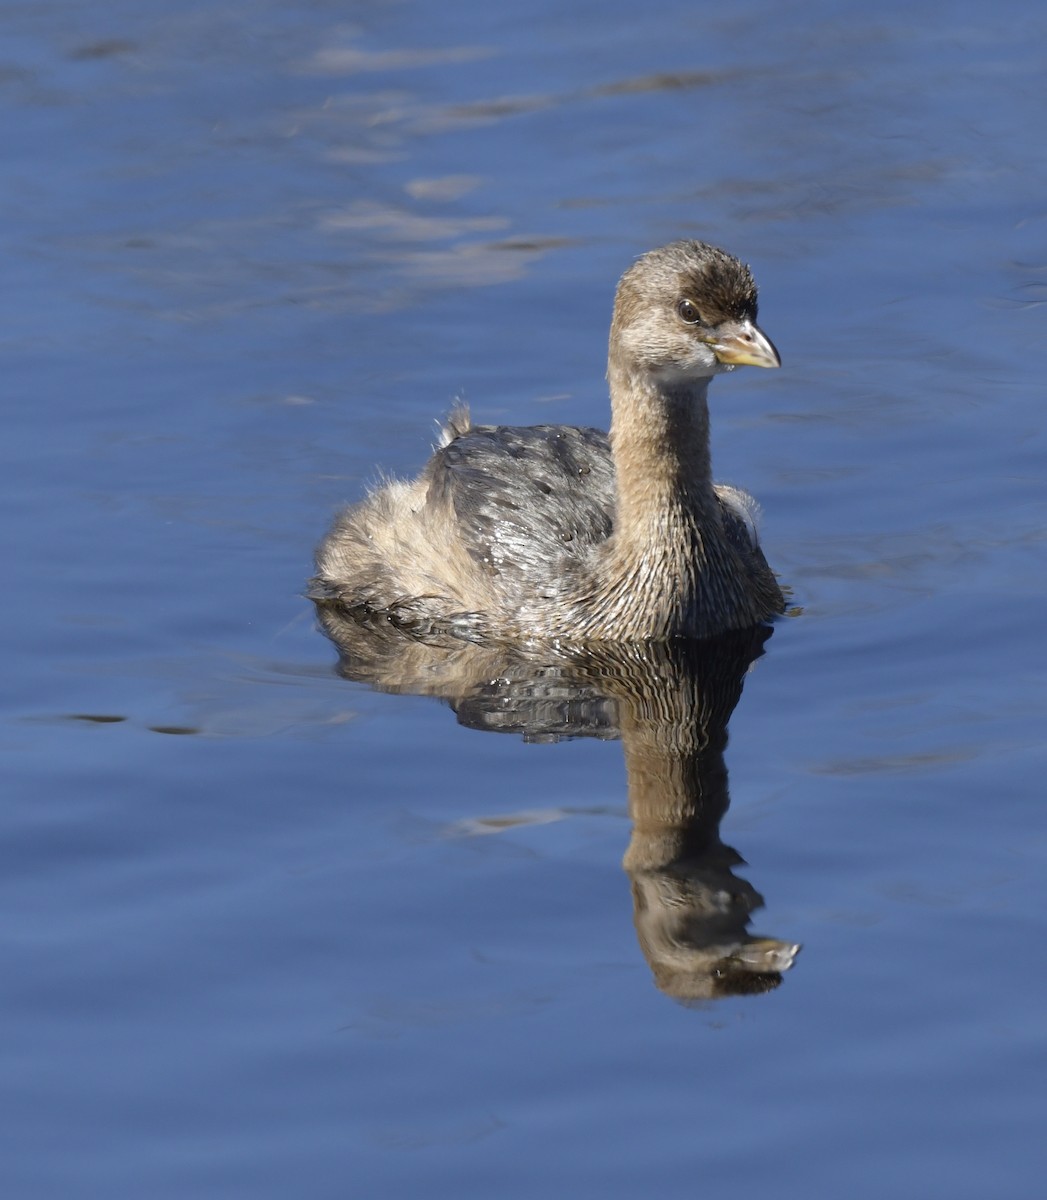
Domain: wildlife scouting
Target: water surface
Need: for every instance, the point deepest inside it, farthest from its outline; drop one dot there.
(267, 931)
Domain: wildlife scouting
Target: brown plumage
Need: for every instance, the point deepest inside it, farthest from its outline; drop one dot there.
(557, 532)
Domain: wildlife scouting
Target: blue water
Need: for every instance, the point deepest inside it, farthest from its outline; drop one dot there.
(267, 932)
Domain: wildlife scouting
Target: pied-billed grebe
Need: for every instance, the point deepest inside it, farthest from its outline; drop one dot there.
(555, 532)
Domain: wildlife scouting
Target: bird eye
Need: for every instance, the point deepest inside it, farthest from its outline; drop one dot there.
(688, 312)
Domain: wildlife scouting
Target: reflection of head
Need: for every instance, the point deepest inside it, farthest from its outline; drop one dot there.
(692, 924)
(669, 703)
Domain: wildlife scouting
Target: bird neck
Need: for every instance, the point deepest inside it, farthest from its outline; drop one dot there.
(660, 443)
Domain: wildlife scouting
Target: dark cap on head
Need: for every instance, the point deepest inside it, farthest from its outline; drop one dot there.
(720, 284)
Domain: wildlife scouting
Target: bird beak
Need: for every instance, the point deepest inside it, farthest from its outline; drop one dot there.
(743, 344)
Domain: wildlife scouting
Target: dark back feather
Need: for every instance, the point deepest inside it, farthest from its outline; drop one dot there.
(526, 499)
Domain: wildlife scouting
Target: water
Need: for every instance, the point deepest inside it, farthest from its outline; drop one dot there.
(268, 932)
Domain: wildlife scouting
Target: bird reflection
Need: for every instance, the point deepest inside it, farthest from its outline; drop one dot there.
(669, 703)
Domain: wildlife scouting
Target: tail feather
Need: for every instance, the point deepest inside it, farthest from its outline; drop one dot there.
(458, 423)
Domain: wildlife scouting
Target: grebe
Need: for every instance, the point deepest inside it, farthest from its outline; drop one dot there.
(563, 533)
